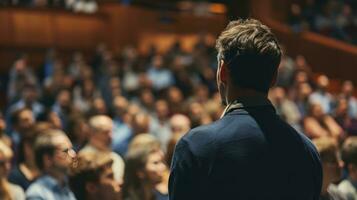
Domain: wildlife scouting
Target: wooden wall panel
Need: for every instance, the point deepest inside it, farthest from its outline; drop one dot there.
(32, 28)
(79, 31)
(6, 35)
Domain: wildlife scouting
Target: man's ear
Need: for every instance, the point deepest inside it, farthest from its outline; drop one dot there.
(91, 188)
(47, 161)
(274, 79)
(223, 71)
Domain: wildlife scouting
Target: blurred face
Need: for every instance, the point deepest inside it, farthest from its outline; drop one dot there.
(317, 111)
(30, 95)
(2, 124)
(5, 165)
(108, 188)
(347, 88)
(64, 98)
(342, 107)
(155, 167)
(333, 169)
(55, 120)
(162, 109)
(64, 155)
(104, 134)
(322, 82)
(26, 120)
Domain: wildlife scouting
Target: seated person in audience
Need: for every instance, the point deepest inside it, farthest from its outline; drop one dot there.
(331, 166)
(22, 120)
(321, 95)
(345, 120)
(3, 136)
(347, 93)
(100, 140)
(93, 178)
(349, 157)
(8, 191)
(144, 170)
(317, 124)
(180, 125)
(29, 99)
(26, 170)
(301, 98)
(54, 156)
(286, 108)
(148, 141)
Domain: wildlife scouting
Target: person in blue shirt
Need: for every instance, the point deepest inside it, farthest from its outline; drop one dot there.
(250, 153)
(54, 156)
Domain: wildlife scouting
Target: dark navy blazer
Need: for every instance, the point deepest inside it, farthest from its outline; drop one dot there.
(249, 154)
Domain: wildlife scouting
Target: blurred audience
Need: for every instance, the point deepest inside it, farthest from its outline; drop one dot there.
(137, 105)
(334, 18)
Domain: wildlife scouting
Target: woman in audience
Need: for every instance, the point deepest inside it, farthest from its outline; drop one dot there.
(343, 118)
(144, 170)
(318, 124)
(8, 191)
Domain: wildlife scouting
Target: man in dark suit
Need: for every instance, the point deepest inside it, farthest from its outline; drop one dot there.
(250, 153)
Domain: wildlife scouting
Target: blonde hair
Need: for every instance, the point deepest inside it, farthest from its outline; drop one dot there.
(144, 140)
(327, 148)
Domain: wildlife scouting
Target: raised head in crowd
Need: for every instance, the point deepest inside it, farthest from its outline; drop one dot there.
(55, 157)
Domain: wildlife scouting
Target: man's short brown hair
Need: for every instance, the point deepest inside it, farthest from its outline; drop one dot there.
(251, 52)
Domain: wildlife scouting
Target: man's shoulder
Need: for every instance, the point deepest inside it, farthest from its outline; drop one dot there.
(233, 128)
(346, 187)
(37, 189)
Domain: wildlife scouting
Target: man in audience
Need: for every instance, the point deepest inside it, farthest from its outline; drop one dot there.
(100, 141)
(122, 131)
(54, 157)
(159, 124)
(331, 166)
(321, 95)
(347, 93)
(93, 177)
(28, 100)
(22, 120)
(349, 156)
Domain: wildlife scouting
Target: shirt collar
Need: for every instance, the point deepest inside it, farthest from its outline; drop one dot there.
(246, 102)
(53, 183)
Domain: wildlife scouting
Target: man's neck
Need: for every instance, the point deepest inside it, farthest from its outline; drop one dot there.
(235, 93)
(95, 143)
(58, 176)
